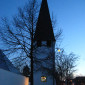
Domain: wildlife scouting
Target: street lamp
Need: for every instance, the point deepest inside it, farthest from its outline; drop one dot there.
(58, 49)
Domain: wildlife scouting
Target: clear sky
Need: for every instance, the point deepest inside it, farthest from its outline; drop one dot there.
(70, 16)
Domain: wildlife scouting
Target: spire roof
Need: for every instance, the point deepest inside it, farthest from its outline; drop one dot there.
(44, 30)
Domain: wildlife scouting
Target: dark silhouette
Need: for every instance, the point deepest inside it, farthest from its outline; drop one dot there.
(19, 36)
(65, 65)
(26, 71)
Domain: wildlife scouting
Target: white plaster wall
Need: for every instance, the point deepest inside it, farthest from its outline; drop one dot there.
(40, 53)
(9, 78)
(37, 79)
(43, 51)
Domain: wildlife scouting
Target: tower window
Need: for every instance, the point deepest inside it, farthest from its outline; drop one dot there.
(39, 43)
(49, 43)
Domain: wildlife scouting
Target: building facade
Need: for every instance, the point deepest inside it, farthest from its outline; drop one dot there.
(9, 75)
(44, 49)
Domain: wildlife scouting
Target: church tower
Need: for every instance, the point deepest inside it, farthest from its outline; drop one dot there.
(44, 49)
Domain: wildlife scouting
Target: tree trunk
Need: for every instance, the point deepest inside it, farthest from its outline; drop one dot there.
(32, 53)
(31, 70)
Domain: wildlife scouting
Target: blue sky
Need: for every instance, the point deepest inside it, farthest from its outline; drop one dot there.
(70, 16)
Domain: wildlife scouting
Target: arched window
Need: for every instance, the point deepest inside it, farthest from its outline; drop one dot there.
(39, 43)
(49, 43)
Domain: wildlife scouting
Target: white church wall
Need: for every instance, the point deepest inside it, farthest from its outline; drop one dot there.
(43, 49)
(41, 53)
(9, 78)
(37, 79)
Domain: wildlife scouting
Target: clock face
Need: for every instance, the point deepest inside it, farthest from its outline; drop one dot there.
(43, 78)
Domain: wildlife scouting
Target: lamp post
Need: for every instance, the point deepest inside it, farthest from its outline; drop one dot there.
(58, 49)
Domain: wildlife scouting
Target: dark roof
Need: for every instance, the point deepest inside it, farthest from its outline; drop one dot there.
(44, 30)
(3, 63)
(6, 64)
(83, 77)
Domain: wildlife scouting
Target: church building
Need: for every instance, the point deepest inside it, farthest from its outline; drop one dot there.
(44, 52)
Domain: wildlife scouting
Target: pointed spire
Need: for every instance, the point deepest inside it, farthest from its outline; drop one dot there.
(44, 30)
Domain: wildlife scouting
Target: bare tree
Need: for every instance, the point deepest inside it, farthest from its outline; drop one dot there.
(65, 64)
(18, 35)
